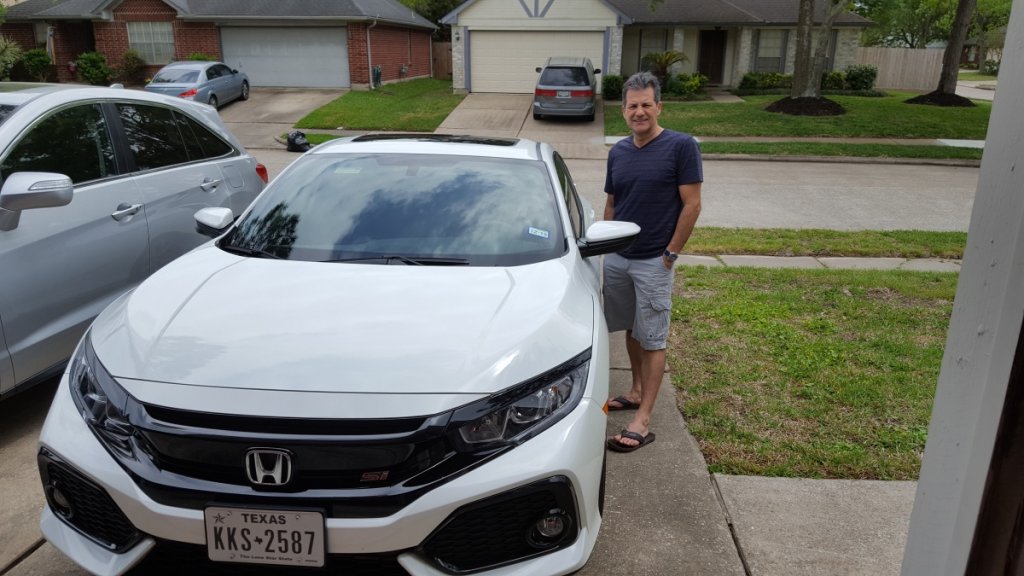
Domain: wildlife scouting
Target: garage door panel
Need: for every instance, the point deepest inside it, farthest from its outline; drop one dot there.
(295, 57)
(508, 61)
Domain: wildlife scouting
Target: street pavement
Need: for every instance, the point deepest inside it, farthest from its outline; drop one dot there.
(665, 513)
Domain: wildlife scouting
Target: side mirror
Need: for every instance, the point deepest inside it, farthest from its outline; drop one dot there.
(538, 69)
(213, 222)
(233, 71)
(607, 236)
(597, 70)
(29, 190)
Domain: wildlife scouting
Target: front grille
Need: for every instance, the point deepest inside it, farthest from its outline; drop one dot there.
(174, 558)
(496, 531)
(90, 510)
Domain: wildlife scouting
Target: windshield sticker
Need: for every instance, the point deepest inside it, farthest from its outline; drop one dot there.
(538, 232)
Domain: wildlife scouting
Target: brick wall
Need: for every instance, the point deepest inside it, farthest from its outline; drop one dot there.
(192, 37)
(112, 37)
(401, 53)
(358, 69)
(23, 34)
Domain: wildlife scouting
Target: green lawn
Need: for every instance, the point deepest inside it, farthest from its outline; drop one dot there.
(883, 117)
(414, 106)
(841, 149)
(975, 77)
(809, 373)
(813, 242)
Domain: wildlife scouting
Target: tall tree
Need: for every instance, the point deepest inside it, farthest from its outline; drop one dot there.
(906, 23)
(434, 10)
(809, 62)
(990, 16)
(945, 94)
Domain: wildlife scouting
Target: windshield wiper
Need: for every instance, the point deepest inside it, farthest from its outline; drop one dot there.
(242, 250)
(409, 260)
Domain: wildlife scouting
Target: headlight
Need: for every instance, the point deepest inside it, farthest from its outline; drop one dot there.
(100, 400)
(523, 411)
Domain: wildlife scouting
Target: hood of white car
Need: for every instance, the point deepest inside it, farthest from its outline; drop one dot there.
(212, 319)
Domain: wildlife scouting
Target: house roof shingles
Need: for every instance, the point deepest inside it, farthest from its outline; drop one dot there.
(388, 11)
(725, 12)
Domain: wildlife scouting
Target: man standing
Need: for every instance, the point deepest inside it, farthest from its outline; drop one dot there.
(654, 180)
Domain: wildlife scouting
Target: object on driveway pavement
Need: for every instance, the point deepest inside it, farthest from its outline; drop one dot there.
(566, 87)
(211, 83)
(297, 142)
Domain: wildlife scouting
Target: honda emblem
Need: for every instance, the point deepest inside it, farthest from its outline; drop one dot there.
(268, 466)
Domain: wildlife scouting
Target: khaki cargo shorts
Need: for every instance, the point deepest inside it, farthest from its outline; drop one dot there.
(638, 297)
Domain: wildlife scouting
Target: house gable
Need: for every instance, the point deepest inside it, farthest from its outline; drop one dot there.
(537, 15)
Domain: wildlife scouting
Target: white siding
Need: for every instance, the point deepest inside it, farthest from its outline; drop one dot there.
(507, 61)
(297, 57)
(538, 14)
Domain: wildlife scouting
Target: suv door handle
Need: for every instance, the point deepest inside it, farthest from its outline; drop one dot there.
(208, 184)
(124, 210)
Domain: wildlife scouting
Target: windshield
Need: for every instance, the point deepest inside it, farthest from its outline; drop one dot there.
(570, 76)
(405, 209)
(175, 76)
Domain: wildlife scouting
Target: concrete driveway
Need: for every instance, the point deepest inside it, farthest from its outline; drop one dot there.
(272, 111)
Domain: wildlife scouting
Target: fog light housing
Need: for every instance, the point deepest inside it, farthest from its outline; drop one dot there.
(549, 529)
(60, 501)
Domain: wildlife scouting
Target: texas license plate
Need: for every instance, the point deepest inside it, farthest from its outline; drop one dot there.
(563, 94)
(282, 537)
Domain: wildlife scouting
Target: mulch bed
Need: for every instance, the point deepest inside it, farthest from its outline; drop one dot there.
(937, 98)
(806, 107)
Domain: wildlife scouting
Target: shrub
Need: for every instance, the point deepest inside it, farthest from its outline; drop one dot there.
(92, 68)
(833, 81)
(37, 64)
(660, 62)
(10, 54)
(611, 86)
(686, 85)
(133, 68)
(765, 80)
(861, 77)
(990, 68)
(201, 56)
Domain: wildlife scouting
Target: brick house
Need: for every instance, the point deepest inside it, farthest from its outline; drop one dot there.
(302, 43)
(497, 44)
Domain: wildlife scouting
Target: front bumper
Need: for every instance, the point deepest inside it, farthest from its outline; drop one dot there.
(572, 449)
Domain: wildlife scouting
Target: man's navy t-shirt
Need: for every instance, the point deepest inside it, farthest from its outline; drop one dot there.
(645, 183)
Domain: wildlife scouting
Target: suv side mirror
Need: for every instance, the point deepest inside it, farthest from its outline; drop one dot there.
(29, 190)
(607, 236)
(538, 69)
(597, 70)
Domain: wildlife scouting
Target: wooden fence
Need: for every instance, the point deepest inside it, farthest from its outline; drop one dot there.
(904, 68)
(442, 59)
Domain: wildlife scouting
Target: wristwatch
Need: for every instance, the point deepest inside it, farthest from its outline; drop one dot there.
(671, 255)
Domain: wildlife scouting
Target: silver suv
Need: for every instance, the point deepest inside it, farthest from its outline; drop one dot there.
(98, 187)
(567, 87)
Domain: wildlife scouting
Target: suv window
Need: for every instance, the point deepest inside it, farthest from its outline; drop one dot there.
(153, 136)
(199, 141)
(567, 76)
(73, 141)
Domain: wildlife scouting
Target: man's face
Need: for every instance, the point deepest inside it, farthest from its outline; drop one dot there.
(641, 111)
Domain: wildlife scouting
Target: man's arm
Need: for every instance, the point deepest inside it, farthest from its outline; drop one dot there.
(609, 207)
(690, 194)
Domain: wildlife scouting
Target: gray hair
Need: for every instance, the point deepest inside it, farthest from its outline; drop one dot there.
(642, 81)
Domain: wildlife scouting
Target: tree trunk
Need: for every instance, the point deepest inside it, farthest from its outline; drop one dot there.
(802, 73)
(951, 58)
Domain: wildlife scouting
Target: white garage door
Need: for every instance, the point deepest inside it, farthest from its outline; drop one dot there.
(300, 57)
(507, 61)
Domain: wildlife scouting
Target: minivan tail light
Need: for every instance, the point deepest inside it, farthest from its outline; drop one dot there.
(582, 93)
(261, 171)
(550, 93)
(188, 94)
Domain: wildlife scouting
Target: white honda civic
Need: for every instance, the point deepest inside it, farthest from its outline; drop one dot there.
(393, 363)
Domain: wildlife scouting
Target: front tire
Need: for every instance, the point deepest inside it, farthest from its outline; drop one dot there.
(245, 91)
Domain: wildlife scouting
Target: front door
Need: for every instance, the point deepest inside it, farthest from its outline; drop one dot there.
(711, 61)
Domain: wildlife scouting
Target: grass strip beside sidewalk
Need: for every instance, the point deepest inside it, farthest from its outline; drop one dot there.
(712, 241)
(809, 373)
(832, 149)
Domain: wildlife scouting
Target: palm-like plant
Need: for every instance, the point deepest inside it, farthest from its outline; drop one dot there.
(658, 63)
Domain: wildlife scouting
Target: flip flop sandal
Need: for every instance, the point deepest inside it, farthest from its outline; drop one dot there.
(624, 404)
(616, 446)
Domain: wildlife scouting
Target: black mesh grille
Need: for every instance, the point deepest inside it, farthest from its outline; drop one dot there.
(92, 510)
(495, 531)
(174, 559)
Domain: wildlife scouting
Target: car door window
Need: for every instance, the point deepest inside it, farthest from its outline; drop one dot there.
(153, 136)
(222, 70)
(212, 72)
(73, 141)
(572, 203)
(200, 142)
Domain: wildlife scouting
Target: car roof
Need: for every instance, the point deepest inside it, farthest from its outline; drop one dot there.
(445, 144)
(568, 61)
(197, 64)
